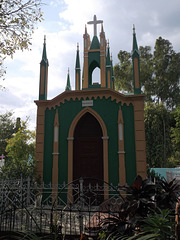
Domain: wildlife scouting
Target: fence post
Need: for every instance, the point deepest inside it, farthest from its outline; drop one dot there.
(2, 202)
(28, 191)
(81, 195)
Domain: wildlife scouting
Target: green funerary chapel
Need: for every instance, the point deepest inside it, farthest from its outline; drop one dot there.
(92, 131)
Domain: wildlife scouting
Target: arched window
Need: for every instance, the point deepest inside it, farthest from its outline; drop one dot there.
(96, 76)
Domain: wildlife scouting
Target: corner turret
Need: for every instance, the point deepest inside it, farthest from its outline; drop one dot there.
(77, 70)
(136, 65)
(112, 73)
(109, 67)
(43, 74)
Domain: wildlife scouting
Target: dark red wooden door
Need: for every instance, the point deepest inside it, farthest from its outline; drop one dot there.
(88, 148)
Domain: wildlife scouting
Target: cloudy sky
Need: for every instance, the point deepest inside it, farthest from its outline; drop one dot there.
(64, 24)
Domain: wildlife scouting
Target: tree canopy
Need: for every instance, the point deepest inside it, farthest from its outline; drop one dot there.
(7, 128)
(17, 143)
(18, 19)
(160, 73)
(159, 148)
(123, 72)
(20, 150)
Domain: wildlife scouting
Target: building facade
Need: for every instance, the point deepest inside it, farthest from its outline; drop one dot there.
(92, 131)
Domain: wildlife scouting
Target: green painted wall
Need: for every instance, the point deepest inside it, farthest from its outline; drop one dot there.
(108, 110)
(67, 112)
(129, 140)
(48, 143)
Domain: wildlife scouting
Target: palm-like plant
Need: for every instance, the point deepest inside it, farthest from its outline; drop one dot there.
(143, 192)
(147, 212)
(122, 223)
(167, 193)
(157, 226)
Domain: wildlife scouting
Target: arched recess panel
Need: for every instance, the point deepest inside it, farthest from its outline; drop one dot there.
(88, 148)
(71, 142)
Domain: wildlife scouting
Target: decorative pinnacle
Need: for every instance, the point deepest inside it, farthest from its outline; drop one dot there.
(44, 39)
(85, 29)
(44, 55)
(68, 85)
(77, 46)
(134, 29)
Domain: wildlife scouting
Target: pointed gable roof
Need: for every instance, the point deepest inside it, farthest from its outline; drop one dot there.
(44, 60)
(95, 43)
(135, 46)
(108, 59)
(77, 58)
(68, 85)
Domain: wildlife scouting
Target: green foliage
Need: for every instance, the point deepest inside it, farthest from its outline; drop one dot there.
(18, 19)
(122, 224)
(166, 73)
(166, 193)
(7, 128)
(20, 160)
(142, 192)
(26, 235)
(146, 70)
(158, 225)
(123, 72)
(176, 129)
(174, 160)
(160, 73)
(158, 122)
(147, 212)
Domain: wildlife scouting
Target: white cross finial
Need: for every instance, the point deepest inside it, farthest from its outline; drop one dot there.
(2, 156)
(95, 22)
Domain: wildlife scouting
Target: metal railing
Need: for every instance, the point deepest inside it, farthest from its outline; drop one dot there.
(65, 209)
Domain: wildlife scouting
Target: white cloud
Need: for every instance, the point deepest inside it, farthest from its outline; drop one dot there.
(154, 21)
(64, 26)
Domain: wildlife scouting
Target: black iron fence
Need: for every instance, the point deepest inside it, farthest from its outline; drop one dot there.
(66, 209)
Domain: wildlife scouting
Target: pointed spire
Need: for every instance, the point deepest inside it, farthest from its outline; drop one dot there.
(135, 46)
(108, 60)
(136, 65)
(85, 29)
(43, 74)
(113, 87)
(44, 54)
(77, 58)
(68, 85)
(112, 72)
(77, 70)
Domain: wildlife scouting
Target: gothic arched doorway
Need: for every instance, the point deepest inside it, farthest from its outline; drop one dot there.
(88, 148)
